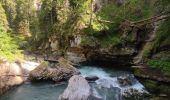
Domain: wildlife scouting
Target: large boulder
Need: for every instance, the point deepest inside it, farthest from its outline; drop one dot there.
(56, 72)
(78, 89)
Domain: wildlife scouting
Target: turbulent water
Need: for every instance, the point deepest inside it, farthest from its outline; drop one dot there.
(50, 91)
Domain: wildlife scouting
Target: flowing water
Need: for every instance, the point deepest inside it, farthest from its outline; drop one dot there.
(51, 91)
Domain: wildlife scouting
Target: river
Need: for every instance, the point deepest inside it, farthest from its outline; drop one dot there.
(51, 91)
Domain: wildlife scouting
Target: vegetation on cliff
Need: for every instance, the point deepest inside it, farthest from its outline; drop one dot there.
(8, 43)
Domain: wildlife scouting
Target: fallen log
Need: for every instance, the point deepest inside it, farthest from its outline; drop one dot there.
(105, 21)
(15, 75)
(150, 20)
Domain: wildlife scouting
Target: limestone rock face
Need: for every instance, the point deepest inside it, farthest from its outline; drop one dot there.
(10, 76)
(55, 72)
(75, 42)
(75, 58)
(116, 56)
(54, 45)
(78, 89)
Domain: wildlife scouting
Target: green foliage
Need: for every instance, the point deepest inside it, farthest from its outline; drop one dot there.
(9, 47)
(110, 40)
(21, 15)
(8, 43)
(61, 19)
(162, 36)
(3, 20)
(10, 10)
(162, 65)
(89, 41)
(132, 10)
(156, 87)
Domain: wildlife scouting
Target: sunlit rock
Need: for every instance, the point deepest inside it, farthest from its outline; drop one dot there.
(10, 76)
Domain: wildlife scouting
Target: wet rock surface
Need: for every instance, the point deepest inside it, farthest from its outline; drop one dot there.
(91, 78)
(126, 80)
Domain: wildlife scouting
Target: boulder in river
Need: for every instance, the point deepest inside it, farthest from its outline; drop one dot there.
(55, 72)
(78, 89)
(91, 78)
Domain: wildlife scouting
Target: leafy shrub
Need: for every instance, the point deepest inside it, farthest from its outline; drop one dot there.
(9, 46)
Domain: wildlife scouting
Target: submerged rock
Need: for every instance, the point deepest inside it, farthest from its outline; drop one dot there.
(55, 72)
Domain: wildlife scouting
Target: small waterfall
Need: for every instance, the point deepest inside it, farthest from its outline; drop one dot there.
(109, 87)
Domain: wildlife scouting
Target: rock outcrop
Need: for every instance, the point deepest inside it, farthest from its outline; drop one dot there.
(10, 76)
(55, 72)
(116, 56)
(13, 74)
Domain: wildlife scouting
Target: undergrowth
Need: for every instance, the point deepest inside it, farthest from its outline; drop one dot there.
(162, 65)
(9, 48)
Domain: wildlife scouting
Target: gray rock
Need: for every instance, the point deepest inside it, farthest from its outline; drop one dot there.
(78, 89)
(11, 75)
(91, 78)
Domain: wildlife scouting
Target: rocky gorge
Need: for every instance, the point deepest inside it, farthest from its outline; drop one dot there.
(85, 49)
